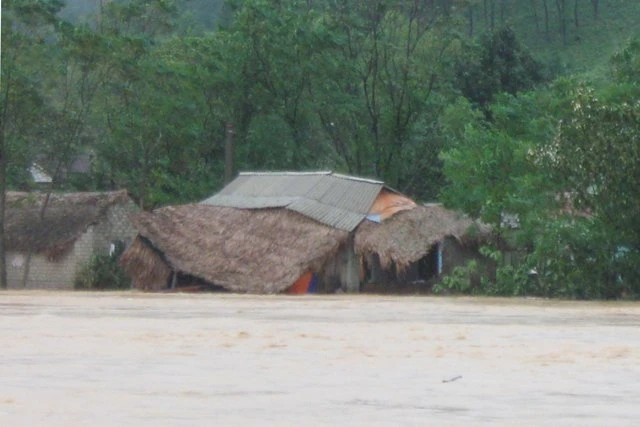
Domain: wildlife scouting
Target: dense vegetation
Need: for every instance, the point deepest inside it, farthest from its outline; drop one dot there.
(442, 99)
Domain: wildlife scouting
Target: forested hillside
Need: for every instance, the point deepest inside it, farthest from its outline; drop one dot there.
(525, 109)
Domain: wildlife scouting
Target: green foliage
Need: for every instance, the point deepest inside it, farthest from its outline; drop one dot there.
(163, 139)
(100, 273)
(511, 279)
(625, 65)
(489, 166)
(498, 63)
(459, 281)
(596, 154)
(568, 186)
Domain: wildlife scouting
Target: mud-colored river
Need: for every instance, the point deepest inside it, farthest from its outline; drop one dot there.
(129, 359)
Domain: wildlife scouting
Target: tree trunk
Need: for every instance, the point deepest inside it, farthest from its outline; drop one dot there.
(228, 153)
(492, 14)
(485, 11)
(43, 210)
(562, 19)
(503, 12)
(470, 12)
(595, 4)
(536, 19)
(6, 81)
(3, 193)
(546, 19)
(575, 14)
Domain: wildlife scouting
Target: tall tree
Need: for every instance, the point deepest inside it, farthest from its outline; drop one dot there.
(164, 136)
(595, 4)
(597, 154)
(28, 32)
(387, 66)
(499, 63)
(561, 8)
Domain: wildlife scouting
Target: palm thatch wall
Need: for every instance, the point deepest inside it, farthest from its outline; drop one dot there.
(409, 235)
(66, 218)
(242, 250)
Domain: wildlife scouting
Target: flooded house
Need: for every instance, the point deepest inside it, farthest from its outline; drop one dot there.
(50, 238)
(298, 232)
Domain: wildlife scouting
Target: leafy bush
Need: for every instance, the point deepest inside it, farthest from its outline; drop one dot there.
(102, 272)
(510, 279)
(460, 280)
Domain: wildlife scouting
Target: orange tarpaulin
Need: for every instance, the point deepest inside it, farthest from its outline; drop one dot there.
(301, 286)
(388, 203)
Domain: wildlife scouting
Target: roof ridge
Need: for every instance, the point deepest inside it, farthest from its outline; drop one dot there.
(285, 173)
(356, 178)
(307, 173)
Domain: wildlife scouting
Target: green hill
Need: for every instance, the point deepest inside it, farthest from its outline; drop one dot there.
(585, 45)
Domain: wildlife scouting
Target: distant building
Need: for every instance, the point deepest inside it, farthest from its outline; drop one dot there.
(39, 176)
(75, 226)
(42, 171)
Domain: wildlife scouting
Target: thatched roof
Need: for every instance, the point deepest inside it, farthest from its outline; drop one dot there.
(242, 250)
(408, 236)
(66, 217)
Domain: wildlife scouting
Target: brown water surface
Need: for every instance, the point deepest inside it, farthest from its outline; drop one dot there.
(73, 359)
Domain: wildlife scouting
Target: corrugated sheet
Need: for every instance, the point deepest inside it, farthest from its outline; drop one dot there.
(327, 214)
(337, 200)
(244, 202)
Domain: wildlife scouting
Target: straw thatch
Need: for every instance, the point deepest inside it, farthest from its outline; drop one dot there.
(409, 235)
(242, 250)
(66, 218)
(147, 265)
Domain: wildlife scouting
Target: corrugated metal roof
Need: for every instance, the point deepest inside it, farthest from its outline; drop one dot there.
(340, 201)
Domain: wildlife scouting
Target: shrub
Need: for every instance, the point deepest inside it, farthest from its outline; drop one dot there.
(102, 272)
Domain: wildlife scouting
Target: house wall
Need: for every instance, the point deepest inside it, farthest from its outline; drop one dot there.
(420, 276)
(44, 274)
(60, 274)
(115, 226)
(454, 255)
(341, 271)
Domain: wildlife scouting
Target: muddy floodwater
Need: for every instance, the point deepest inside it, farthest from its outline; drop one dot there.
(130, 359)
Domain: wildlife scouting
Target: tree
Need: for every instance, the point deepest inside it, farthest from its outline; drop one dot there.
(597, 154)
(279, 41)
(499, 63)
(625, 65)
(565, 162)
(28, 27)
(376, 91)
(163, 135)
(338, 84)
(489, 165)
(561, 7)
(496, 171)
(595, 4)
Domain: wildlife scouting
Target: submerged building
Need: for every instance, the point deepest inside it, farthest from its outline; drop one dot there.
(270, 232)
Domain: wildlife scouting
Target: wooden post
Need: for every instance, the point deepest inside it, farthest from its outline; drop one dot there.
(174, 279)
(3, 193)
(228, 153)
(352, 279)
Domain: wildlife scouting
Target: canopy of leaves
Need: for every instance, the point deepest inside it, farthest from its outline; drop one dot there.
(498, 63)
